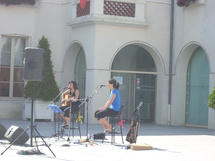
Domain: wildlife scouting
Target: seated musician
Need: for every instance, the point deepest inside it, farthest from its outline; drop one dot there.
(112, 106)
(70, 101)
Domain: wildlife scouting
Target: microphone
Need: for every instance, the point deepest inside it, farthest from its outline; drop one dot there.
(65, 87)
(103, 85)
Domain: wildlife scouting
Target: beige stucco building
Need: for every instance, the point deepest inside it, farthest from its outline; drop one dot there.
(138, 42)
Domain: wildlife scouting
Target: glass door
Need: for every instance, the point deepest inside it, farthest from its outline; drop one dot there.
(135, 88)
(145, 90)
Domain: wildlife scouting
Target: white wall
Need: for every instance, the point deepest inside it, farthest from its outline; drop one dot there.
(101, 40)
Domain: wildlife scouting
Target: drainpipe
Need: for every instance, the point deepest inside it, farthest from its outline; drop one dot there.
(170, 60)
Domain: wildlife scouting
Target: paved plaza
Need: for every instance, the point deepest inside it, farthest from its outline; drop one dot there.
(178, 143)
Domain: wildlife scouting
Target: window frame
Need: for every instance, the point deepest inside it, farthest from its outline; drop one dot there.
(15, 86)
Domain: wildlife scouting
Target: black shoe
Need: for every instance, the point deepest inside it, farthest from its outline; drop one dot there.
(65, 126)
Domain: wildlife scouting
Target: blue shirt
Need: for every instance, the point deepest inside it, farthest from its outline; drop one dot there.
(116, 103)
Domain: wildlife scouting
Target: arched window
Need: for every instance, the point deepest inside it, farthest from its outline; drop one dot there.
(134, 58)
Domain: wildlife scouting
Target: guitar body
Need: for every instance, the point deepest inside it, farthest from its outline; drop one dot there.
(133, 131)
(66, 97)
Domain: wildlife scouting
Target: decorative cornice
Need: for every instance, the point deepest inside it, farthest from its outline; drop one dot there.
(18, 2)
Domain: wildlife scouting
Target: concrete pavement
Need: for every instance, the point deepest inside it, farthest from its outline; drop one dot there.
(178, 143)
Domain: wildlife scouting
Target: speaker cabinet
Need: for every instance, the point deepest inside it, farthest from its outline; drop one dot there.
(34, 64)
(14, 132)
(2, 131)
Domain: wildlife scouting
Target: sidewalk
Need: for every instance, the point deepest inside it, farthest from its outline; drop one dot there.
(169, 143)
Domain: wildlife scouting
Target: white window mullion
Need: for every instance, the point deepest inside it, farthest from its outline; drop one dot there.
(12, 67)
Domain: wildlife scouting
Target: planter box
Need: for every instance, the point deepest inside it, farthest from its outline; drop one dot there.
(197, 3)
(39, 110)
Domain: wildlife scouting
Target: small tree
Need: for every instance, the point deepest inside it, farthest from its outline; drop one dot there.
(211, 102)
(47, 89)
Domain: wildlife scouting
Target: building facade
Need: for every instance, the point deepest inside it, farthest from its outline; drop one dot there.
(160, 54)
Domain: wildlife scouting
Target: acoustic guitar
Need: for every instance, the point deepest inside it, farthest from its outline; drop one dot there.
(67, 97)
(132, 133)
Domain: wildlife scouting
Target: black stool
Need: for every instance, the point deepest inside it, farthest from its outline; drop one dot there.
(112, 120)
(78, 120)
(72, 127)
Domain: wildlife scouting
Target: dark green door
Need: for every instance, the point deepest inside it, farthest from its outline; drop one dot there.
(197, 89)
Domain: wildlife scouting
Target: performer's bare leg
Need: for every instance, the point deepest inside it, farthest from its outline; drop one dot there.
(65, 118)
(106, 125)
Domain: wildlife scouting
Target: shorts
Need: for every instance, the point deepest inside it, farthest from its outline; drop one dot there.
(105, 113)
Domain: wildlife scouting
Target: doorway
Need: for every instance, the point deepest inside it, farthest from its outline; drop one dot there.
(197, 89)
(134, 68)
(135, 88)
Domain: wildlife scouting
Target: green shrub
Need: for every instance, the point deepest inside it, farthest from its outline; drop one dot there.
(47, 89)
(211, 101)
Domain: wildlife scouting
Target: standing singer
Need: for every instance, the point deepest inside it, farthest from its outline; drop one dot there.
(69, 100)
(112, 106)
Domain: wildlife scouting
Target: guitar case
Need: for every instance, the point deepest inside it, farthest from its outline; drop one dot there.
(140, 147)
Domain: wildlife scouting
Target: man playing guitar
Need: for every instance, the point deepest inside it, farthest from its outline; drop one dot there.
(69, 100)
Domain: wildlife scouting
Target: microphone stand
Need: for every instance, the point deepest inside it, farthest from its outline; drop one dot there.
(55, 124)
(87, 100)
(53, 101)
(62, 90)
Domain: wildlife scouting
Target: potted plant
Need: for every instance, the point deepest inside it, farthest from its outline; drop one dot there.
(44, 91)
(184, 3)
